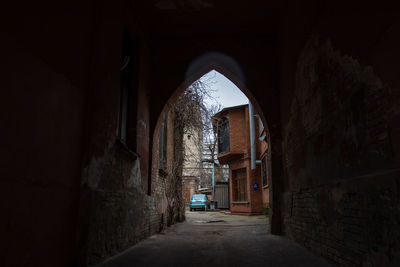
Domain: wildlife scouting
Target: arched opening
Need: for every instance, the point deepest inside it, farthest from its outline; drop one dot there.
(249, 193)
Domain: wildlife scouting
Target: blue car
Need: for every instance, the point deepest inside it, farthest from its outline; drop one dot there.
(199, 201)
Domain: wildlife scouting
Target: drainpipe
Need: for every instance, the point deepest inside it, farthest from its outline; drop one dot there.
(213, 181)
(252, 137)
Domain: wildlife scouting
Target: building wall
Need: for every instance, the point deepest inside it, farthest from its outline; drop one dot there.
(160, 181)
(240, 142)
(79, 194)
(262, 148)
(265, 198)
(239, 130)
(119, 203)
(254, 197)
(192, 163)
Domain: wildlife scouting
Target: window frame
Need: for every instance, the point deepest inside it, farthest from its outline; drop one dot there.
(264, 170)
(224, 136)
(129, 87)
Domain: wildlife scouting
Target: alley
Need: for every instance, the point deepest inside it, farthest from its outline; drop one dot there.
(216, 239)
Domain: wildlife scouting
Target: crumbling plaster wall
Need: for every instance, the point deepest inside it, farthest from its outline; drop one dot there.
(341, 189)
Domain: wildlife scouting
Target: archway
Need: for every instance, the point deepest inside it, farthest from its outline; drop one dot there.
(199, 67)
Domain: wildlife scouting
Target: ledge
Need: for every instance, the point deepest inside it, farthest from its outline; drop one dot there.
(229, 156)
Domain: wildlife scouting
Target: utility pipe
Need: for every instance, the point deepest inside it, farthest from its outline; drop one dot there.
(252, 137)
(213, 182)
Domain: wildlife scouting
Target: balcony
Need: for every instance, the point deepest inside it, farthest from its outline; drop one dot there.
(225, 158)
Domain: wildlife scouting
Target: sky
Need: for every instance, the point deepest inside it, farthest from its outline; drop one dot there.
(223, 90)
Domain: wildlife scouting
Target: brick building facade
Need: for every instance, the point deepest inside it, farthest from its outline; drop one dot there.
(249, 192)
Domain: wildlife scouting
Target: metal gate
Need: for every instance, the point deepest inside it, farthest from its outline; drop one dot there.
(222, 195)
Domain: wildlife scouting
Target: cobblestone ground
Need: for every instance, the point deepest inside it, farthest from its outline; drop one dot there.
(216, 239)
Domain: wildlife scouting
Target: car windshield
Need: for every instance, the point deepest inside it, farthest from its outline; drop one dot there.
(198, 197)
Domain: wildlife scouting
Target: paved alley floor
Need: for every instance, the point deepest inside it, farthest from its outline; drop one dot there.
(216, 239)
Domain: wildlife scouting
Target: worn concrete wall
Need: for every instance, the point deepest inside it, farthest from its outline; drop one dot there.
(339, 108)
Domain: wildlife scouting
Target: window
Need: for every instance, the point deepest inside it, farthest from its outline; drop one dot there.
(260, 125)
(264, 170)
(239, 183)
(162, 146)
(129, 82)
(223, 136)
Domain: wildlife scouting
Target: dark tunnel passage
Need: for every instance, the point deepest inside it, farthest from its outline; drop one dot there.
(84, 85)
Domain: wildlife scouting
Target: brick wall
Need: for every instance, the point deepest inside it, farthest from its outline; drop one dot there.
(76, 191)
(240, 142)
(351, 223)
(239, 129)
(342, 200)
(122, 197)
(122, 212)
